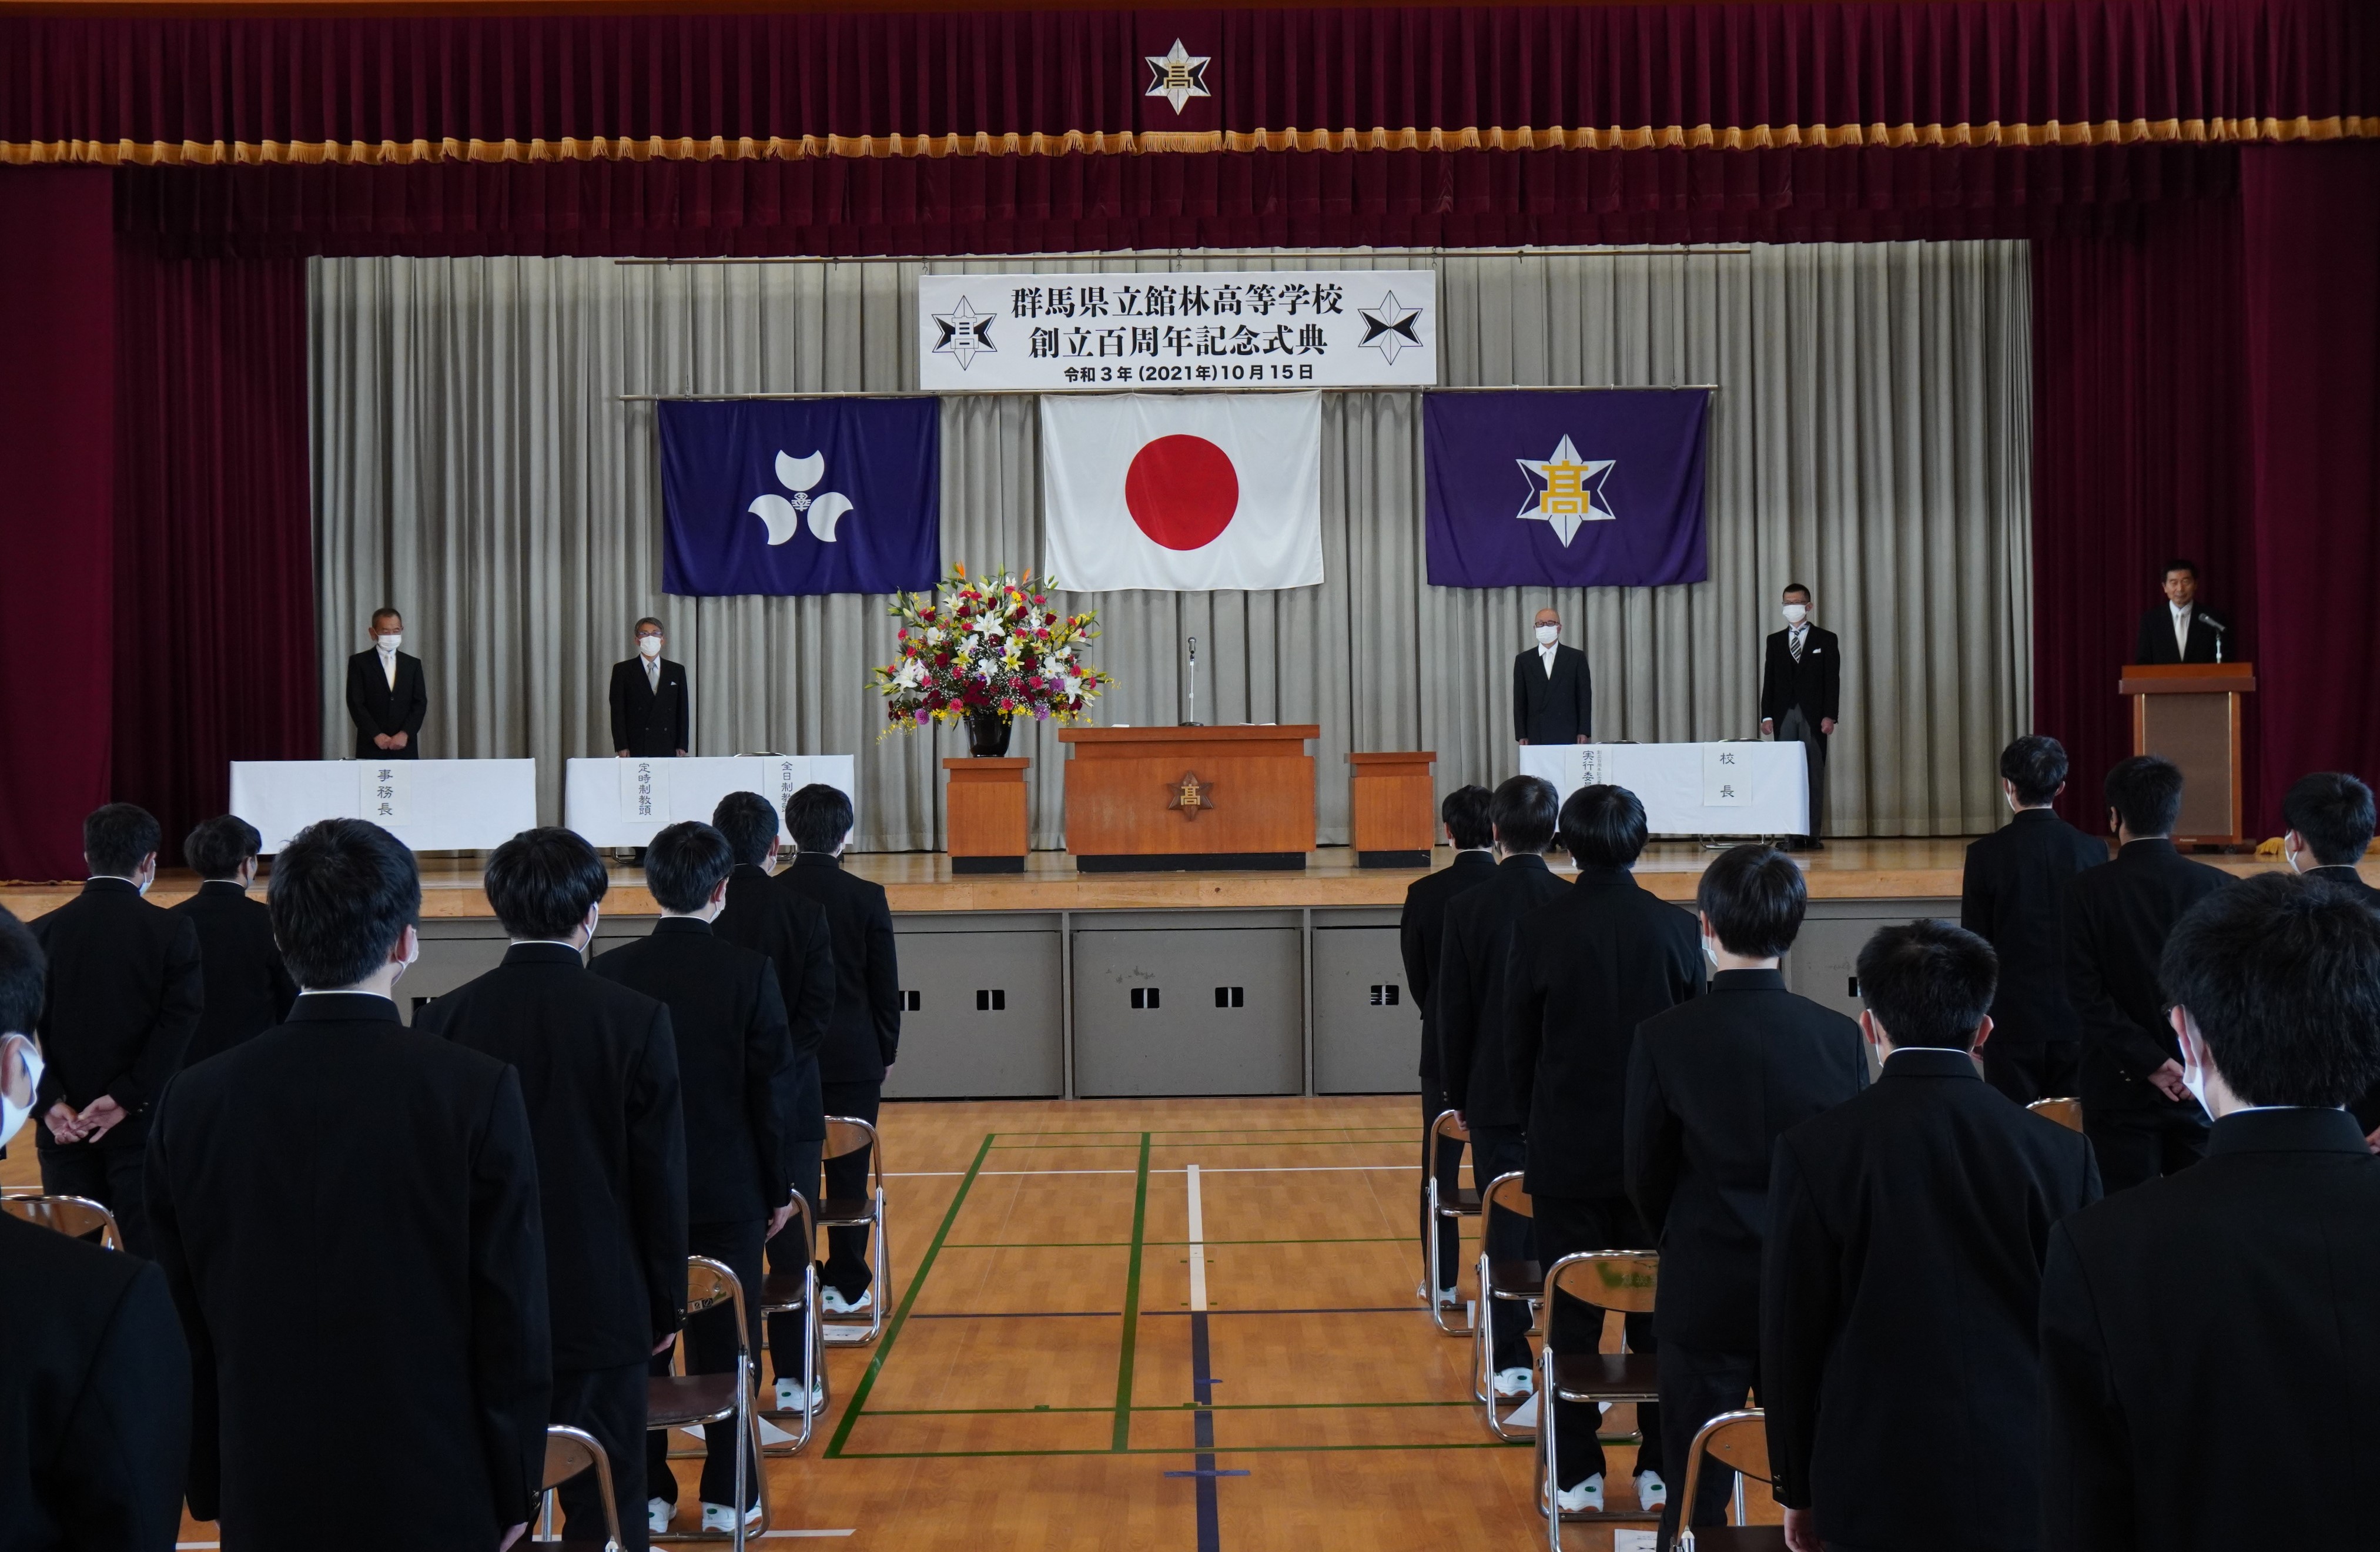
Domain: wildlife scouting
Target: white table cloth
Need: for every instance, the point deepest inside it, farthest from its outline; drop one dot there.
(616, 802)
(431, 804)
(1690, 789)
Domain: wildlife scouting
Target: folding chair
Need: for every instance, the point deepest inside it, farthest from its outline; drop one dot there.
(690, 1401)
(568, 1452)
(846, 1135)
(1448, 1128)
(1510, 1281)
(796, 1293)
(75, 1217)
(1739, 1439)
(1610, 1280)
(2066, 1113)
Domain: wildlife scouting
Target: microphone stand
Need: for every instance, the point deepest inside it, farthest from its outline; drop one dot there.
(1192, 720)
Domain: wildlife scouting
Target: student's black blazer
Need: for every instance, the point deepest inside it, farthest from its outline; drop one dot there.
(2014, 898)
(791, 930)
(2118, 916)
(248, 987)
(1473, 1011)
(376, 708)
(863, 1034)
(123, 996)
(1419, 930)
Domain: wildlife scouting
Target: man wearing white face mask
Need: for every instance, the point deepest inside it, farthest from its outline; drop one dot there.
(95, 1428)
(386, 695)
(1553, 689)
(1801, 688)
(652, 715)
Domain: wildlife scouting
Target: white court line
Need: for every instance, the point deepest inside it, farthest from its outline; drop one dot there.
(1198, 1247)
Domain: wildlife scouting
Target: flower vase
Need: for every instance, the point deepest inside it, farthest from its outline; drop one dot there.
(987, 735)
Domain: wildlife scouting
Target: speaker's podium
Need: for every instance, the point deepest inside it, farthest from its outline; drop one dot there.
(2190, 714)
(1149, 800)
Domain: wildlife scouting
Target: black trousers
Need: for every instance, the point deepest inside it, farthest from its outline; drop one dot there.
(2142, 1136)
(711, 1349)
(1696, 1386)
(610, 1404)
(110, 1173)
(846, 1181)
(2043, 1070)
(1448, 1168)
(1498, 1150)
(791, 1252)
(1566, 1225)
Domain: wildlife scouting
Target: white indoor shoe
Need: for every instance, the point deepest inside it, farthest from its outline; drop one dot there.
(1448, 1298)
(833, 1302)
(789, 1396)
(1511, 1385)
(1585, 1499)
(1651, 1491)
(720, 1518)
(657, 1515)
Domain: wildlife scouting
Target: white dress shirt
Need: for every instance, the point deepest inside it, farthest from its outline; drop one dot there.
(1545, 656)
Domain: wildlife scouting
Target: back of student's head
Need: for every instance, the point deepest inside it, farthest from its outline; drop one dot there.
(2145, 793)
(215, 848)
(1928, 983)
(684, 863)
(343, 892)
(1523, 812)
(1754, 899)
(2281, 976)
(1603, 827)
(818, 818)
(542, 882)
(21, 970)
(1465, 814)
(750, 822)
(2331, 811)
(115, 839)
(2036, 765)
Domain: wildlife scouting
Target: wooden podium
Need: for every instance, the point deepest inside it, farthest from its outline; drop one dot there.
(1394, 809)
(2190, 714)
(1178, 798)
(984, 815)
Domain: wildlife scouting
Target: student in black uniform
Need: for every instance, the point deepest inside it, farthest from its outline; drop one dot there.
(2329, 824)
(248, 987)
(1419, 930)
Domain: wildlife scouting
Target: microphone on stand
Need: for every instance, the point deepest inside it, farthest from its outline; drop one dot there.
(2222, 632)
(1192, 720)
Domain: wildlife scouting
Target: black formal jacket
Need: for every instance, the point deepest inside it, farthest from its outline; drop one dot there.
(1581, 974)
(599, 1072)
(1419, 930)
(2366, 1109)
(1469, 991)
(1814, 684)
(863, 1034)
(649, 724)
(123, 997)
(2210, 1346)
(247, 988)
(347, 1212)
(2156, 643)
(376, 708)
(95, 1398)
(1900, 1301)
(734, 1064)
(2117, 917)
(1554, 709)
(1712, 1084)
(2014, 898)
(792, 930)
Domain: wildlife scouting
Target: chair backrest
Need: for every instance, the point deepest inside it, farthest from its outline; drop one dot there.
(569, 1451)
(849, 1135)
(2066, 1113)
(1508, 1193)
(1739, 1439)
(1613, 1279)
(75, 1217)
(1449, 1127)
(709, 1282)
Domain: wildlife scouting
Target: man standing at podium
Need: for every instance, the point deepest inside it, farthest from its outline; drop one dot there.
(1800, 688)
(2179, 631)
(649, 715)
(1553, 692)
(385, 693)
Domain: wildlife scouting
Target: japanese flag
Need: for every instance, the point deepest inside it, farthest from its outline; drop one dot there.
(1184, 492)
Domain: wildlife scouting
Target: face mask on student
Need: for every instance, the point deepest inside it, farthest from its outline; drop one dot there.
(1796, 613)
(17, 1103)
(1548, 634)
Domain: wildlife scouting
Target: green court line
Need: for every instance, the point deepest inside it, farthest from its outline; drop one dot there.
(1131, 1303)
(908, 1299)
(1186, 1449)
(1175, 1408)
(1216, 1131)
(1118, 1244)
(1117, 1147)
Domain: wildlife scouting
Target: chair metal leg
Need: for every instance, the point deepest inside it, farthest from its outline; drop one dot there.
(1549, 1451)
(1438, 1219)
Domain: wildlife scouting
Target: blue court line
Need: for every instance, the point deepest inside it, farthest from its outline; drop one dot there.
(1206, 1473)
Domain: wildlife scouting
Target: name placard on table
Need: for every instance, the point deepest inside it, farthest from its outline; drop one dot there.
(1690, 789)
(617, 802)
(431, 805)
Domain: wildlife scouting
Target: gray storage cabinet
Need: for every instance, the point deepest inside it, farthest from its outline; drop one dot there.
(983, 1012)
(1367, 1030)
(1189, 1008)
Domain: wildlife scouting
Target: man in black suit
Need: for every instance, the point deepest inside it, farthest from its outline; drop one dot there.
(126, 990)
(599, 1072)
(248, 987)
(2014, 899)
(1801, 696)
(2142, 1119)
(792, 931)
(2210, 1345)
(387, 697)
(1419, 930)
(1902, 1296)
(1553, 689)
(2180, 630)
(2329, 823)
(1584, 971)
(735, 1080)
(1712, 1083)
(1469, 996)
(347, 1212)
(863, 1034)
(94, 1376)
(652, 710)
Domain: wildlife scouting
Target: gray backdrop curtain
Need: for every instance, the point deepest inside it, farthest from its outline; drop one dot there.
(475, 465)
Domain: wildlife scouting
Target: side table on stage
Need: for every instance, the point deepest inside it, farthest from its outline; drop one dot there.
(984, 815)
(2189, 713)
(1393, 808)
(430, 805)
(1182, 798)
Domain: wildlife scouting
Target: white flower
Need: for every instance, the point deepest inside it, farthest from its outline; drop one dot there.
(1063, 654)
(912, 674)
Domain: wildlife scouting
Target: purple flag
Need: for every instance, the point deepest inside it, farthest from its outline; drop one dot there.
(1565, 488)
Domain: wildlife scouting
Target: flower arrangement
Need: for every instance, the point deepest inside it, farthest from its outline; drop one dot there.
(988, 649)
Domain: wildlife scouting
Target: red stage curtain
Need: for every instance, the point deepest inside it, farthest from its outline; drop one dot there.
(57, 425)
(214, 580)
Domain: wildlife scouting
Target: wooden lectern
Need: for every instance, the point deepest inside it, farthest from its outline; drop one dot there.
(2190, 714)
(1395, 808)
(1178, 798)
(984, 815)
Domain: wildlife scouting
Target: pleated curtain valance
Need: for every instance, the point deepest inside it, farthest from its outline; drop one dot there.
(405, 90)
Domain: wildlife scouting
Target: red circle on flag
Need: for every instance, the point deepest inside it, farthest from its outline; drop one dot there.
(1182, 491)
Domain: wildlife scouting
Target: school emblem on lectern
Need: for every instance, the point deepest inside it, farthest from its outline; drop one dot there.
(1190, 794)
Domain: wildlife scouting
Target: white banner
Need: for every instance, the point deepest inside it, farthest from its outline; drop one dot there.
(615, 801)
(431, 805)
(1225, 329)
(1743, 788)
